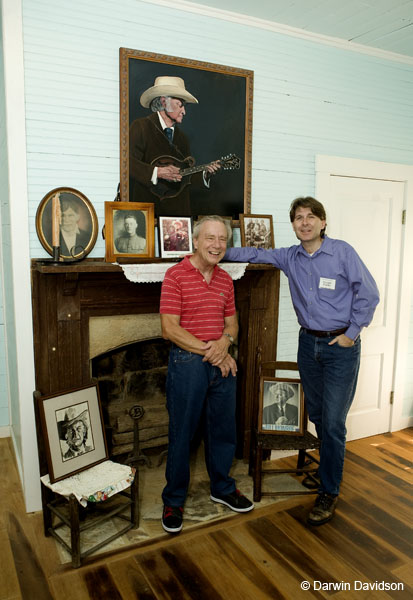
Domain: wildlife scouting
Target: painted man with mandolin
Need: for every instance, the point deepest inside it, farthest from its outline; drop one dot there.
(161, 169)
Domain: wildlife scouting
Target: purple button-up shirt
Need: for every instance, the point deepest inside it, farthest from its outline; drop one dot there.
(330, 289)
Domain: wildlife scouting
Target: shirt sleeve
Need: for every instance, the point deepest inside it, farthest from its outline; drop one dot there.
(277, 257)
(365, 294)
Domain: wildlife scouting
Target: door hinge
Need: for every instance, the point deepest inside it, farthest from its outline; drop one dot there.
(391, 397)
(404, 217)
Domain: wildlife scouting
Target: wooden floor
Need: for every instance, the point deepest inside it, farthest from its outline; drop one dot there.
(266, 554)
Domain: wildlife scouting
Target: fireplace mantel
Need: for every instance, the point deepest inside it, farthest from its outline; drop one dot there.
(66, 296)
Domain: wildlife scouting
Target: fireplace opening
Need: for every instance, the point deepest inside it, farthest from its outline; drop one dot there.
(134, 374)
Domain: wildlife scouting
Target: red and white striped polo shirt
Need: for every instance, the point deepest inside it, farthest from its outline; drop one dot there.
(201, 306)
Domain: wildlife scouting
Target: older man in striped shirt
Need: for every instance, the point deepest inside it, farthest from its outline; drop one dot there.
(198, 316)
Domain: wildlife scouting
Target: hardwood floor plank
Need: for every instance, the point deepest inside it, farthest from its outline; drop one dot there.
(100, 584)
(356, 548)
(130, 580)
(32, 580)
(380, 524)
(304, 537)
(391, 473)
(9, 583)
(241, 561)
(69, 583)
(170, 577)
(263, 555)
(405, 573)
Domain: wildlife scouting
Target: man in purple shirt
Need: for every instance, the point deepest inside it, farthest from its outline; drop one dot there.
(334, 297)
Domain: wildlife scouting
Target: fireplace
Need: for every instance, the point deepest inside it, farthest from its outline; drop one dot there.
(77, 308)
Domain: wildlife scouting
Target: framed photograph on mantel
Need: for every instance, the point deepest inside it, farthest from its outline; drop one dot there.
(175, 236)
(210, 110)
(77, 223)
(129, 230)
(281, 406)
(72, 425)
(257, 231)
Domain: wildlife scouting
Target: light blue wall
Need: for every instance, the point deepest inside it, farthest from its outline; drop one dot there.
(309, 99)
(4, 396)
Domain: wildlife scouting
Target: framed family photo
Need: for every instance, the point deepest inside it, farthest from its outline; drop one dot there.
(78, 223)
(129, 230)
(257, 231)
(281, 406)
(175, 236)
(205, 132)
(73, 430)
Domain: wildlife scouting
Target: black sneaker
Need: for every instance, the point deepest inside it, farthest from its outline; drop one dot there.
(323, 509)
(235, 501)
(172, 518)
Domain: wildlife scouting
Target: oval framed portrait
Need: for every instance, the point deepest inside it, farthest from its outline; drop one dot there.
(78, 227)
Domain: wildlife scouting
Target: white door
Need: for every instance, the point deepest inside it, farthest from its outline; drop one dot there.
(367, 213)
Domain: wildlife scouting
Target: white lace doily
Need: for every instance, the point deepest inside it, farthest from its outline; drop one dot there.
(95, 484)
(153, 272)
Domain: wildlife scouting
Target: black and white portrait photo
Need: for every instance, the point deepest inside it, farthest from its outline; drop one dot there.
(129, 231)
(76, 221)
(281, 406)
(257, 231)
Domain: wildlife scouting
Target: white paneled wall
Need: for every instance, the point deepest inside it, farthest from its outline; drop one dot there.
(308, 99)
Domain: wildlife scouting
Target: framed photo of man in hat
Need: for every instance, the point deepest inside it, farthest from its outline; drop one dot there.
(206, 135)
(175, 236)
(281, 406)
(72, 425)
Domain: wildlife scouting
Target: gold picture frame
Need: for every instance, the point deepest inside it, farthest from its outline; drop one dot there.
(86, 224)
(124, 240)
(257, 231)
(209, 126)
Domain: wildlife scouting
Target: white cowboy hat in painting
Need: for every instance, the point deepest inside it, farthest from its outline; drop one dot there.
(167, 86)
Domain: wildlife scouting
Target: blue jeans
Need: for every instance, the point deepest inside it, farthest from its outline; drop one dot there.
(194, 388)
(329, 377)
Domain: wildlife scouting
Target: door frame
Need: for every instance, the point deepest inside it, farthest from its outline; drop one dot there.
(326, 166)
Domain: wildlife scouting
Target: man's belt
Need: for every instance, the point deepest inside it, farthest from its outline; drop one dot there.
(326, 333)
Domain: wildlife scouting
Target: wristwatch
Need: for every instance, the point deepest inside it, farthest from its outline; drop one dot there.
(229, 336)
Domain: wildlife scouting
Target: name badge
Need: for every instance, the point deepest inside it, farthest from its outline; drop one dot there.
(327, 284)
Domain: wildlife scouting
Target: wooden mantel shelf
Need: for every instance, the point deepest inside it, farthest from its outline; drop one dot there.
(66, 296)
(98, 265)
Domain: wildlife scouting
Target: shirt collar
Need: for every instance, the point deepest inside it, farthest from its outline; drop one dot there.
(325, 247)
(188, 266)
(162, 122)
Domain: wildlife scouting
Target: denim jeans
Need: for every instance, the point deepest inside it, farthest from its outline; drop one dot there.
(195, 388)
(329, 377)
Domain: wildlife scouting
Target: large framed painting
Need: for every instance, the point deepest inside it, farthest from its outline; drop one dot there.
(203, 165)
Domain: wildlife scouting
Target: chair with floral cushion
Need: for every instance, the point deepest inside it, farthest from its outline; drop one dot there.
(86, 500)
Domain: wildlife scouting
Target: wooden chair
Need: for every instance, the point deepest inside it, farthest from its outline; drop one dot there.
(61, 511)
(263, 443)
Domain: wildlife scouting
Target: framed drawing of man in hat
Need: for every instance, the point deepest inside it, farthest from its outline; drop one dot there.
(72, 425)
(186, 131)
(281, 407)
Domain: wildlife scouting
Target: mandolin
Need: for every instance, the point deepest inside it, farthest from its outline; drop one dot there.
(170, 189)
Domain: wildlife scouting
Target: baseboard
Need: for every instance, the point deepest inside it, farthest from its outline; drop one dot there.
(5, 432)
